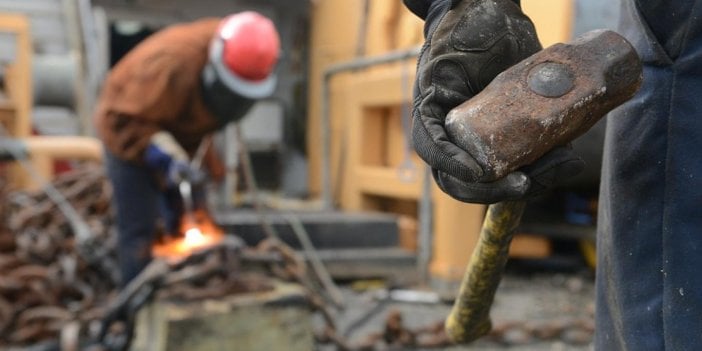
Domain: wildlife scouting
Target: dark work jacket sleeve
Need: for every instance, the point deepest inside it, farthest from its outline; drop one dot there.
(419, 7)
(156, 86)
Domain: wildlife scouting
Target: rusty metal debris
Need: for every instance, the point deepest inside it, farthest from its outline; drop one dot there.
(573, 331)
(51, 292)
(44, 282)
(395, 335)
(52, 296)
(210, 273)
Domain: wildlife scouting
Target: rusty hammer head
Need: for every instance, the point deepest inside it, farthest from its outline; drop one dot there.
(545, 101)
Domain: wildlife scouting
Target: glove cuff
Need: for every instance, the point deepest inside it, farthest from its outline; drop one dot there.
(161, 152)
(423, 8)
(156, 159)
(169, 145)
(418, 7)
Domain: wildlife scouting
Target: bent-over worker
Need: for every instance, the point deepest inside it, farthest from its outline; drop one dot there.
(188, 80)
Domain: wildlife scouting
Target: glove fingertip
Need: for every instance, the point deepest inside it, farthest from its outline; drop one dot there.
(516, 183)
(570, 168)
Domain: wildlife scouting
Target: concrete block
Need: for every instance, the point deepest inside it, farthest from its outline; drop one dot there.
(274, 320)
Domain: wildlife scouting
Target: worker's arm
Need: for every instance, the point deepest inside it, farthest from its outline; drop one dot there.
(138, 100)
(156, 87)
(124, 136)
(467, 43)
(169, 161)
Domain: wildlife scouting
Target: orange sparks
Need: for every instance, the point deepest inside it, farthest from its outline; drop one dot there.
(198, 232)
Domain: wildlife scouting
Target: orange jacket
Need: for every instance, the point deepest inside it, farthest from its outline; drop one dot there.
(156, 86)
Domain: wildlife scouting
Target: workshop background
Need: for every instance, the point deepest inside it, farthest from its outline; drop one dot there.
(371, 252)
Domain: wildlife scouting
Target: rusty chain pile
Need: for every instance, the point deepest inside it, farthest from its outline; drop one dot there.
(44, 283)
(225, 269)
(395, 335)
(51, 294)
(572, 331)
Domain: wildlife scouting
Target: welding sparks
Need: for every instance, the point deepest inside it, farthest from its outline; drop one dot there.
(199, 233)
(194, 238)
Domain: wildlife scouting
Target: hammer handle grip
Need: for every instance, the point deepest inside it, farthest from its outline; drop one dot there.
(469, 318)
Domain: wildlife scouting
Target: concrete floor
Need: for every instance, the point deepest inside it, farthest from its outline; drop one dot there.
(536, 297)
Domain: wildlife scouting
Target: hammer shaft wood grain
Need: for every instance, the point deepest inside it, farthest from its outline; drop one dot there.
(470, 316)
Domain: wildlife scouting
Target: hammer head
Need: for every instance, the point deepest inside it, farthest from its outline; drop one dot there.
(547, 100)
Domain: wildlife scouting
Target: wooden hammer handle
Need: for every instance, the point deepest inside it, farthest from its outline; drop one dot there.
(470, 316)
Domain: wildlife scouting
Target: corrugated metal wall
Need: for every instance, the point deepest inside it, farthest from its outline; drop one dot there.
(47, 20)
(67, 63)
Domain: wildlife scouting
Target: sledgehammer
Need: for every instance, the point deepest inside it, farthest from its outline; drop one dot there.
(546, 100)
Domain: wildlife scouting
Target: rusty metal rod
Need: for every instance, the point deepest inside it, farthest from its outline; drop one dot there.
(315, 261)
(80, 228)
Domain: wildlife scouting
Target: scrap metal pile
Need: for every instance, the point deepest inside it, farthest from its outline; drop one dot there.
(55, 295)
(45, 285)
(51, 294)
(58, 293)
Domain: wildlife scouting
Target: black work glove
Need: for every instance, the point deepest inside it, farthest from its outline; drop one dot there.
(468, 43)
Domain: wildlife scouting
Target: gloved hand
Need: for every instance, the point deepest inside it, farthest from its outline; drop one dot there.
(173, 170)
(468, 43)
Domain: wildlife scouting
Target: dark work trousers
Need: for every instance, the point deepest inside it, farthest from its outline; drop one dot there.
(649, 248)
(136, 202)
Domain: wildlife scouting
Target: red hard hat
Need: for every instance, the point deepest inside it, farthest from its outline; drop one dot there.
(250, 45)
